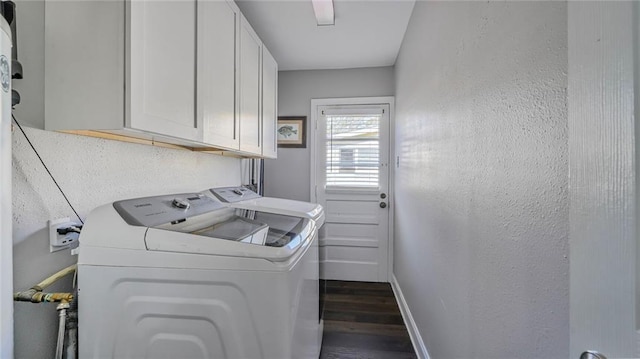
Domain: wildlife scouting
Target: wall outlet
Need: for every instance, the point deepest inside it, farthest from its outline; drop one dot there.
(58, 242)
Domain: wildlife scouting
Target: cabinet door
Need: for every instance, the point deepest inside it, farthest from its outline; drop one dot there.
(250, 89)
(269, 104)
(161, 78)
(217, 29)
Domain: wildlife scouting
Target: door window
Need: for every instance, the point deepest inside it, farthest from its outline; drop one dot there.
(353, 150)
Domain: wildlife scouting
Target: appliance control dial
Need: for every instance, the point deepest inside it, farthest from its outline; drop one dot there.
(181, 203)
(238, 192)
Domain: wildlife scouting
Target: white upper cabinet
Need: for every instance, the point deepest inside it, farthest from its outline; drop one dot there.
(218, 24)
(122, 67)
(269, 104)
(187, 72)
(162, 65)
(84, 65)
(250, 89)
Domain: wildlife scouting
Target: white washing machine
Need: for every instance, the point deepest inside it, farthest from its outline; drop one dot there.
(241, 197)
(183, 276)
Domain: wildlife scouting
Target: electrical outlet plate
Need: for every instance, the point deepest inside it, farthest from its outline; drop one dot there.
(58, 242)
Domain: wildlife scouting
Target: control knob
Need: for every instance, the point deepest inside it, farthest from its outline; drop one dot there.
(181, 203)
(238, 192)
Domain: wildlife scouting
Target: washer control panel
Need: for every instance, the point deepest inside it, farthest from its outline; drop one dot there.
(176, 208)
(234, 194)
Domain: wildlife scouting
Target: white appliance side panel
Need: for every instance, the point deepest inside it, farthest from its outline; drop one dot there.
(6, 220)
(97, 256)
(104, 227)
(306, 292)
(176, 313)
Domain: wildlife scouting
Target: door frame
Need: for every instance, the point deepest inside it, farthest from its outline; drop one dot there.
(603, 92)
(313, 127)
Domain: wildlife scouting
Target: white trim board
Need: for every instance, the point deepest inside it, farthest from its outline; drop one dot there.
(412, 328)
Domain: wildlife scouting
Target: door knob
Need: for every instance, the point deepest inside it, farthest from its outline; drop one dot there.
(591, 354)
(383, 205)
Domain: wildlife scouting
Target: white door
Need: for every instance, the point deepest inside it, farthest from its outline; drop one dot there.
(162, 68)
(351, 150)
(603, 178)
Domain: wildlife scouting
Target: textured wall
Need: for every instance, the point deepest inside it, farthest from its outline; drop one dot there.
(481, 240)
(288, 176)
(92, 172)
(603, 177)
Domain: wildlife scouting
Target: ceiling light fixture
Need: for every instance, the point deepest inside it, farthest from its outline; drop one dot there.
(324, 12)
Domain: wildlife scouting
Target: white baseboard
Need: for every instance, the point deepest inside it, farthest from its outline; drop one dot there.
(414, 334)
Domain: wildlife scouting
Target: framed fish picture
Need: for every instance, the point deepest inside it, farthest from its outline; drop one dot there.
(292, 131)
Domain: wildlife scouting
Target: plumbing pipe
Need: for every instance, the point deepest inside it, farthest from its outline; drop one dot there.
(55, 277)
(35, 294)
(62, 314)
(71, 339)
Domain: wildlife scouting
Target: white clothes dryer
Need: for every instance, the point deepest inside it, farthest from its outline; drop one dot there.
(248, 202)
(183, 276)
(241, 197)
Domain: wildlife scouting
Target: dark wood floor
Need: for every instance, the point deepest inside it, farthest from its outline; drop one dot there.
(362, 320)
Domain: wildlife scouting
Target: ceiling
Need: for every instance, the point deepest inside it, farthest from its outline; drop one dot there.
(365, 34)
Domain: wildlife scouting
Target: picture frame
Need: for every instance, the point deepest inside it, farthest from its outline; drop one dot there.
(292, 131)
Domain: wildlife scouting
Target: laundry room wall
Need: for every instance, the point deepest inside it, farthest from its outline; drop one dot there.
(482, 209)
(91, 171)
(288, 175)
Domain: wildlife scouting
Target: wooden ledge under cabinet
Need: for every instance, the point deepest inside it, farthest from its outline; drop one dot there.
(154, 142)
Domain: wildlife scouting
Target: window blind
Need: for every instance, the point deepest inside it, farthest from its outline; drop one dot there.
(353, 150)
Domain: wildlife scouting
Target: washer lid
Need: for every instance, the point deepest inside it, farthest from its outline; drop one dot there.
(196, 223)
(234, 229)
(283, 236)
(283, 230)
